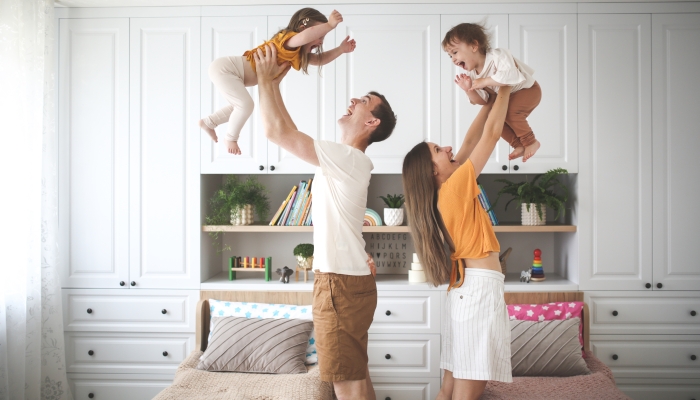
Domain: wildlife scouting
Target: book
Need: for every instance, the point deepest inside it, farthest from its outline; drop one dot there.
(288, 208)
(307, 211)
(298, 203)
(484, 200)
(282, 206)
(296, 220)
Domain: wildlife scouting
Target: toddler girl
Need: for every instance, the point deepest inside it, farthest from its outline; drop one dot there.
(300, 44)
(468, 47)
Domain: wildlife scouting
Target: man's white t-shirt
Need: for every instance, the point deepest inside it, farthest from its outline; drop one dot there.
(339, 201)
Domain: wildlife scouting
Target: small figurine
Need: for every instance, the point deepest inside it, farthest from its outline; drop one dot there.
(525, 276)
(537, 272)
(284, 274)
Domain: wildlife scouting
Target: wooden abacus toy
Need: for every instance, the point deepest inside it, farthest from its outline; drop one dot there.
(260, 264)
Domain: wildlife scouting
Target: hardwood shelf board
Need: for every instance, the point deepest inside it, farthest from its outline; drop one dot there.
(247, 269)
(506, 228)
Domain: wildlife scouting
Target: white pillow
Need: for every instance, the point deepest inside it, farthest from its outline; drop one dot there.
(221, 308)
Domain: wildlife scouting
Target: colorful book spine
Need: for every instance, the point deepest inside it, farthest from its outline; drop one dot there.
(487, 206)
(307, 211)
(298, 217)
(282, 207)
(285, 214)
(297, 203)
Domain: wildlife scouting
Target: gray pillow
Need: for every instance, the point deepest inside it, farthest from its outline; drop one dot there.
(274, 346)
(547, 348)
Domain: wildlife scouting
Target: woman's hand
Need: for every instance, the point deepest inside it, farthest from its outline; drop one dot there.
(334, 19)
(370, 264)
(347, 45)
(478, 84)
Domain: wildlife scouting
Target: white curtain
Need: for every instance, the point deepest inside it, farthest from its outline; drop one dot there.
(32, 354)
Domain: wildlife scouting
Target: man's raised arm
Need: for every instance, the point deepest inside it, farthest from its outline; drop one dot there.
(277, 124)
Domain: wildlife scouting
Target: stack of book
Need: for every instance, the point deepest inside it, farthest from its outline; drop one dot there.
(484, 200)
(296, 208)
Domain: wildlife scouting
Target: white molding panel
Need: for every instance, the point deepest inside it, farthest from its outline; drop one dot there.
(404, 355)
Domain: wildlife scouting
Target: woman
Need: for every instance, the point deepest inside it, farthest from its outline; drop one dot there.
(442, 205)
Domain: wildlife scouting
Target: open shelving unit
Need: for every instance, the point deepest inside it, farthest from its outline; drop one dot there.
(380, 229)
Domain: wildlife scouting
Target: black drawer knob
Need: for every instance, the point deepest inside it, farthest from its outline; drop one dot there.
(693, 313)
(387, 398)
(659, 285)
(164, 311)
(261, 168)
(614, 357)
(516, 167)
(89, 310)
(90, 352)
(614, 313)
(389, 312)
(122, 283)
(505, 168)
(133, 283)
(272, 167)
(648, 286)
(388, 356)
(90, 395)
(692, 357)
(165, 354)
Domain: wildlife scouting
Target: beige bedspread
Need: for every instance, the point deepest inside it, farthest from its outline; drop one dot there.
(599, 385)
(191, 383)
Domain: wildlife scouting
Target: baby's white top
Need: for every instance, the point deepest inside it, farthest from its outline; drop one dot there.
(503, 68)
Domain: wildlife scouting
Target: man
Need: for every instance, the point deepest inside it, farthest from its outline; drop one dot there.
(345, 293)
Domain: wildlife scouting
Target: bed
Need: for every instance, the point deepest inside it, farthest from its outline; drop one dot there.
(190, 383)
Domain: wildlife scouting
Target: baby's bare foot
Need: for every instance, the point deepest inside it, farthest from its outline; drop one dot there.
(233, 148)
(208, 130)
(517, 153)
(531, 150)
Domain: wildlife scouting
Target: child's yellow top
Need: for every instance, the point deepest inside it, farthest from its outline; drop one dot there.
(293, 56)
(465, 219)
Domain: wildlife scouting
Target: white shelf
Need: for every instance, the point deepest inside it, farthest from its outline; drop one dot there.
(383, 228)
(553, 283)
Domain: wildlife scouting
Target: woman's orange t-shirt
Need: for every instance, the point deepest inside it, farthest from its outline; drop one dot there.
(292, 56)
(465, 219)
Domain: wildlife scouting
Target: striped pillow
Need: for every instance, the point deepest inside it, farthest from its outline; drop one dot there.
(274, 346)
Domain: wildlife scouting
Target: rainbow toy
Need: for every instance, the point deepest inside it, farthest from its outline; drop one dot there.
(371, 218)
(537, 272)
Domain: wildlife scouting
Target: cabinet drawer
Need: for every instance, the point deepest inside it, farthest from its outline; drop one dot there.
(646, 314)
(126, 352)
(406, 388)
(129, 310)
(397, 311)
(404, 355)
(659, 389)
(650, 356)
(126, 386)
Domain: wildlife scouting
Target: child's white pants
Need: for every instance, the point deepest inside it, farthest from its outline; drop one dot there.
(227, 75)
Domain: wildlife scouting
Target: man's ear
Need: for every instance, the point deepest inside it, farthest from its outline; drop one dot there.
(373, 122)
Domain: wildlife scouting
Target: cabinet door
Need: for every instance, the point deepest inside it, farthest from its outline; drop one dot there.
(614, 189)
(457, 113)
(675, 46)
(310, 100)
(547, 43)
(93, 128)
(223, 37)
(397, 56)
(164, 156)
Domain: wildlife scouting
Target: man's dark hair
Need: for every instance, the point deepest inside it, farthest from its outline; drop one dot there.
(387, 118)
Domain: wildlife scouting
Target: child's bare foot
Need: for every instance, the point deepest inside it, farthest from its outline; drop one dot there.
(517, 153)
(233, 148)
(531, 150)
(209, 131)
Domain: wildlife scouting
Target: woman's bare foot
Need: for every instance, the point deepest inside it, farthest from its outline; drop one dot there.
(531, 150)
(233, 148)
(209, 131)
(517, 153)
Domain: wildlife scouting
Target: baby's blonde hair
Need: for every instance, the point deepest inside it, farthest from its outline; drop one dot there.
(305, 17)
(468, 33)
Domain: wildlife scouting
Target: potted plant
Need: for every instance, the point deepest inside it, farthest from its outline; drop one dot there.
(533, 197)
(393, 213)
(304, 253)
(235, 202)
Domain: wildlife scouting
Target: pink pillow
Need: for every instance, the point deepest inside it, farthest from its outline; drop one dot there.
(548, 312)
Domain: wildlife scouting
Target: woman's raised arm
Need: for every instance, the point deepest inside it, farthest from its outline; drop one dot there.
(475, 131)
(492, 130)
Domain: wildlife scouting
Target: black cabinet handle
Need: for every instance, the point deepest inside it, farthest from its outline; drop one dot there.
(90, 395)
(614, 313)
(272, 167)
(516, 167)
(505, 168)
(659, 285)
(90, 352)
(261, 168)
(388, 356)
(164, 311)
(648, 286)
(133, 283)
(165, 354)
(693, 313)
(387, 398)
(122, 283)
(89, 310)
(692, 357)
(614, 357)
(389, 312)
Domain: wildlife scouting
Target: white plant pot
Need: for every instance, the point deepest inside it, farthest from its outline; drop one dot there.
(242, 215)
(531, 216)
(393, 216)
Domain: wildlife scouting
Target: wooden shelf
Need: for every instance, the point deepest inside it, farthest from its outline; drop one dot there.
(380, 229)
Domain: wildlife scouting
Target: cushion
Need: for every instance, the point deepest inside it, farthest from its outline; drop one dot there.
(260, 345)
(548, 312)
(220, 308)
(546, 348)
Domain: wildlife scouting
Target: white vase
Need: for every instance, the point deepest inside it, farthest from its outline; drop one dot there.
(242, 215)
(531, 216)
(393, 216)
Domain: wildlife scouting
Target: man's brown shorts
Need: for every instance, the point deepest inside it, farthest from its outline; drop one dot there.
(343, 310)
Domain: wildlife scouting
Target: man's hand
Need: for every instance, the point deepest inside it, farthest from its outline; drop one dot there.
(348, 45)
(334, 19)
(370, 264)
(266, 65)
